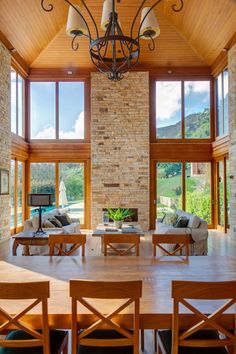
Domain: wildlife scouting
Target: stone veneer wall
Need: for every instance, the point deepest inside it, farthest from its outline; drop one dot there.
(120, 145)
(232, 138)
(5, 135)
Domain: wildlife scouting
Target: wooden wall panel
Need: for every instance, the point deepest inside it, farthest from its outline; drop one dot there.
(58, 151)
(19, 148)
(177, 152)
(220, 147)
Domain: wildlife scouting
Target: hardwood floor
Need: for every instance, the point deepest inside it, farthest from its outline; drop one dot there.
(218, 244)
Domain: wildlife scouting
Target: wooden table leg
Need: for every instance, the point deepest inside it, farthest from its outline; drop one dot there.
(14, 247)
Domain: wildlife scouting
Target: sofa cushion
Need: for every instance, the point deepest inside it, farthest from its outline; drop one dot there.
(63, 219)
(47, 224)
(194, 220)
(55, 222)
(170, 219)
(182, 221)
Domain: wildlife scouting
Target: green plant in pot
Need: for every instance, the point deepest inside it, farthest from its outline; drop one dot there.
(119, 215)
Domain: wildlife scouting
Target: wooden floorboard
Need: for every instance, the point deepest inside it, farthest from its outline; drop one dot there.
(218, 244)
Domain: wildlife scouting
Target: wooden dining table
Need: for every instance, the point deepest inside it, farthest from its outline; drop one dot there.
(156, 275)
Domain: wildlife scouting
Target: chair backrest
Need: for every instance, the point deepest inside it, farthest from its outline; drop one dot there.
(131, 291)
(179, 242)
(39, 293)
(182, 291)
(132, 239)
(59, 241)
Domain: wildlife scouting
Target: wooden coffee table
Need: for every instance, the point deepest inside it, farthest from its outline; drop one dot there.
(29, 238)
(109, 228)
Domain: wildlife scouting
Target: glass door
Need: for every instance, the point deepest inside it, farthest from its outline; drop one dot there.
(223, 194)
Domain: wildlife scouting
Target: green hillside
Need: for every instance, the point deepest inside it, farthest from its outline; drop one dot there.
(196, 126)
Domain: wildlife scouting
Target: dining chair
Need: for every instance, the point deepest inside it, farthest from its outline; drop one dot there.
(25, 339)
(179, 243)
(207, 335)
(105, 335)
(109, 241)
(59, 242)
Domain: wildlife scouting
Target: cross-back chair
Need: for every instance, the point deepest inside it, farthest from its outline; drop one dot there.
(24, 339)
(204, 335)
(179, 243)
(59, 243)
(105, 335)
(109, 241)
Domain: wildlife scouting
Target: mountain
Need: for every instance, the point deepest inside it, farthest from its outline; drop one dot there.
(197, 125)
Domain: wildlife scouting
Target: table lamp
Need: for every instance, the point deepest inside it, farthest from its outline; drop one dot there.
(40, 200)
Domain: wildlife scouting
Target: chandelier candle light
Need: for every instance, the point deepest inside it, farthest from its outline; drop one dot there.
(113, 53)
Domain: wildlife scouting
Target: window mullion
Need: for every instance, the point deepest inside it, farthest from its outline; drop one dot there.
(182, 110)
(57, 110)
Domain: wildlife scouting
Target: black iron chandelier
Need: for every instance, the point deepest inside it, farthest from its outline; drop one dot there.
(114, 53)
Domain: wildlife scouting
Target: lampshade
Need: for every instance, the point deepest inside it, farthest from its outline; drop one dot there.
(40, 199)
(75, 24)
(106, 11)
(150, 26)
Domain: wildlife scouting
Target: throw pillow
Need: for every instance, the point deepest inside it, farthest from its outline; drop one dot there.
(55, 222)
(170, 219)
(68, 218)
(63, 219)
(181, 222)
(48, 224)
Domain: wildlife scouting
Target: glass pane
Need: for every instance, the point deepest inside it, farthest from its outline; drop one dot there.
(169, 187)
(220, 165)
(198, 189)
(20, 104)
(12, 193)
(13, 101)
(71, 110)
(71, 189)
(43, 180)
(197, 109)
(19, 194)
(168, 109)
(226, 101)
(227, 194)
(42, 110)
(219, 105)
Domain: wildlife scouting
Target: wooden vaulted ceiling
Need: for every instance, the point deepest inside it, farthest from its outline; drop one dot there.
(194, 37)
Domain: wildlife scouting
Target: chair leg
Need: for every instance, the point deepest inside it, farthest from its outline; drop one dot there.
(142, 340)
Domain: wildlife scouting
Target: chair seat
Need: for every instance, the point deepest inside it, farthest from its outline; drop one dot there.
(166, 339)
(57, 339)
(105, 334)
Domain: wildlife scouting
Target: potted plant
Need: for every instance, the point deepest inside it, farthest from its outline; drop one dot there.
(119, 215)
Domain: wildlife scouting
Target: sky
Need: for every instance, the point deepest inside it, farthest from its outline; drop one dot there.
(168, 100)
(71, 110)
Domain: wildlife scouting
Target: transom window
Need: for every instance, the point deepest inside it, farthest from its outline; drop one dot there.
(183, 110)
(222, 104)
(17, 103)
(57, 110)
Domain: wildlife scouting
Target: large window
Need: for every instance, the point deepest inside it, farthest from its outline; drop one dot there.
(71, 189)
(169, 187)
(222, 104)
(43, 179)
(17, 103)
(57, 110)
(183, 110)
(223, 194)
(17, 194)
(184, 186)
(65, 181)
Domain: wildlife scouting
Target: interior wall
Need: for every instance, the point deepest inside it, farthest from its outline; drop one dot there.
(232, 138)
(120, 145)
(5, 136)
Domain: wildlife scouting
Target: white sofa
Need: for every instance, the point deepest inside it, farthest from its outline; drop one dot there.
(197, 228)
(32, 225)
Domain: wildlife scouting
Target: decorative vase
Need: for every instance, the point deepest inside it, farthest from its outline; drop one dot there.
(118, 223)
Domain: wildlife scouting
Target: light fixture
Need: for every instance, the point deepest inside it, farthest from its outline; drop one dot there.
(113, 53)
